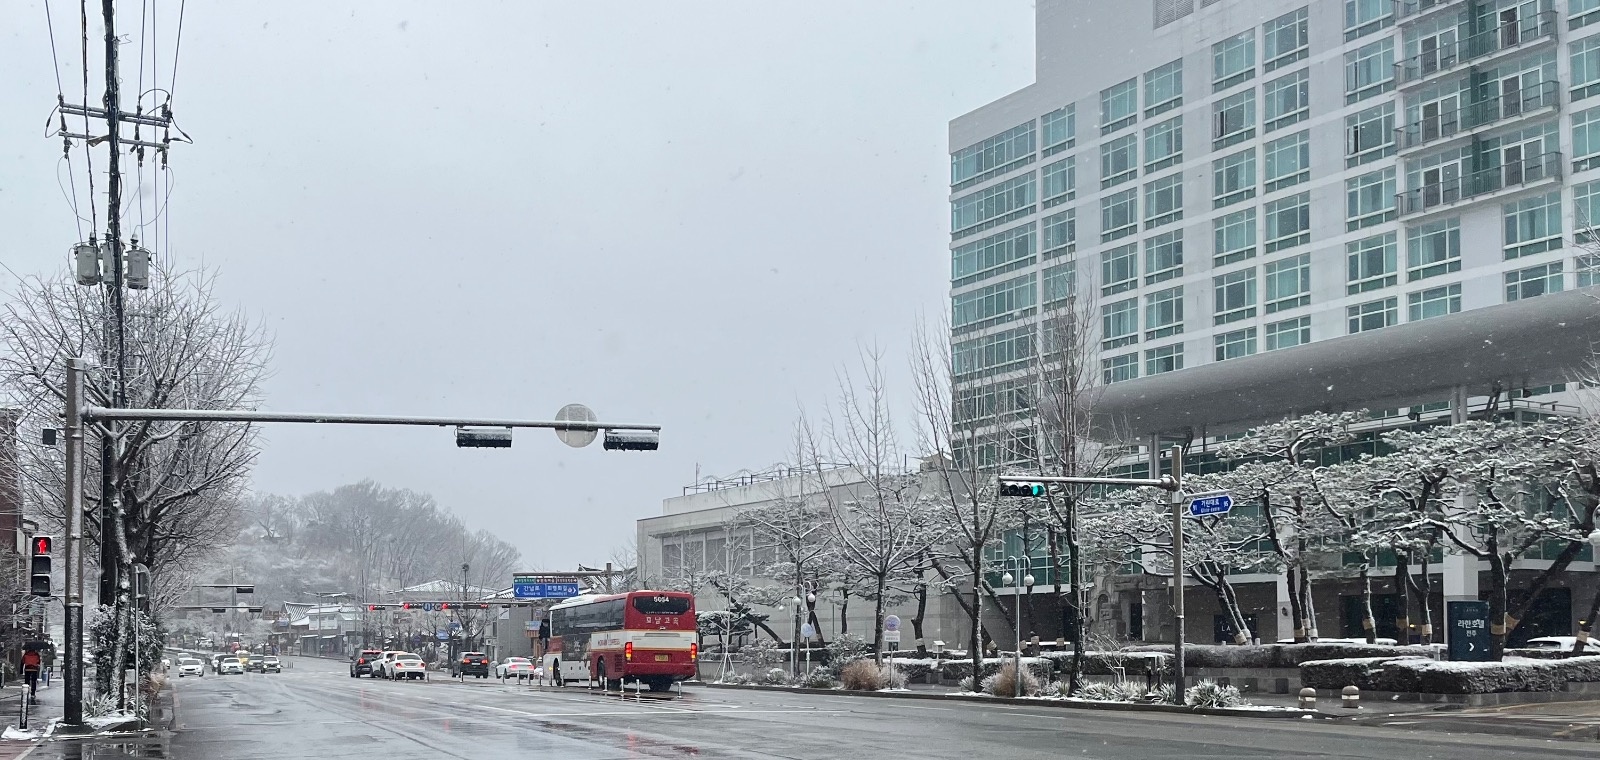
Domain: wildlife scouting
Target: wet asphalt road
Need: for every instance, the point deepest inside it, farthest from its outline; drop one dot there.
(315, 710)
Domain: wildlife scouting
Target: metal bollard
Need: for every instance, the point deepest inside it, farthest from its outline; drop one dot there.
(1308, 698)
(1352, 697)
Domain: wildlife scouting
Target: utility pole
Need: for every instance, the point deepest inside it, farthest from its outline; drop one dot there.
(72, 702)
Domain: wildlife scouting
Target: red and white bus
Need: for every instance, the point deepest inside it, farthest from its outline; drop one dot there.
(643, 636)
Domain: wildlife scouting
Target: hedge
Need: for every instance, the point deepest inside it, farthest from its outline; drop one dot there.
(1427, 676)
(1278, 655)
(1102, 663)
(958, 669)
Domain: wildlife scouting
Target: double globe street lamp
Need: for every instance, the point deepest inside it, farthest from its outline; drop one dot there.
(1024, 580)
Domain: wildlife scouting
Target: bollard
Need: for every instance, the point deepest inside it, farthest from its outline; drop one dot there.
(1308, 699)
(1352, 697)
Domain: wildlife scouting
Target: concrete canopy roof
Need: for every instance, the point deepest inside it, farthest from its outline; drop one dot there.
(1538, 341)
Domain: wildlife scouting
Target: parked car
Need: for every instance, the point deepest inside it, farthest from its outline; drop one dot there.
(471, 664)
(270, 664)
(1553, 643)
(514, 667)
(361, 664)
(406, 666)
(189, 666)
(380, 667)
(230, 666)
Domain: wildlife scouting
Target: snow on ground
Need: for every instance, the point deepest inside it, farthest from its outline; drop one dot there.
(16, 734)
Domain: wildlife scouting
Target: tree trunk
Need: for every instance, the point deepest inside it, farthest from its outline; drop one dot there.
(1586, 626)
(1497, 601)
(1308, 606)
(844, 611)
(1296, 611)
(1402, 591)
(976, 611)
(1559, 565)
(1424, 591)
(877, 619)
(1055, 582)
(922, 610)
(1369, 625)
(1075, 584)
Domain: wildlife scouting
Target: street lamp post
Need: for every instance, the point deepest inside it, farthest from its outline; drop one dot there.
(794, 640)
(1017, 583)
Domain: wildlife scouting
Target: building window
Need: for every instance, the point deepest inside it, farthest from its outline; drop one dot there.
(1059, 128)
(1233, 60)
(1119, 106)
(1119, 323)
(1233, 119)
(1533, 281)
(1588, 270)
(1288, 161)
(1366, 16)
(1372, 263)
(994, 304)
(1370, 135)
(1288, 333)
(1163, 257)
(1369, 199)
(1060, 233)
(1533, 225)
(1286, 100)
(1163, 359)
(992, 156)
(1236, 344)
(1235, 296)
(996, 254)
(1163, 145)
(1585, 68)
(1060, 282)
(1119, 269)
(1003, 351)
(1119, 215)
(1163, 313)
(1235, 237)
(1119, 160)
(1288, 222)
(1374, 315)
(992, 206)
(1163, 201)
(1234, 178)
(1117, 369)
(1288, 283)
(1163, 88)
(1582, 13)
(1433, 302)
(1586, 139)
(1058, 182)
(1369, 71)
(1433, 249)
(1586, 213)
(1284, 40)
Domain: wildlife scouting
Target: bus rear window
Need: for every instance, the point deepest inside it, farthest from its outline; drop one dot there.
(661, 605)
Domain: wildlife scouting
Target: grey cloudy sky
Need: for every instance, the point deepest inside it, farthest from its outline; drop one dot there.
(685, 213)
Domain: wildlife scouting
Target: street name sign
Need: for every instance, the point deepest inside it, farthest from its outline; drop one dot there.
(1468, 626)
(544, 586)
(1208, 504)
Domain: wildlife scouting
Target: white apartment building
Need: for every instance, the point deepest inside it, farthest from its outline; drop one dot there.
(1279, 206)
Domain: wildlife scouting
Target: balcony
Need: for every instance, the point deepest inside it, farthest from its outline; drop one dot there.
(1480, 184)
(1406, 11)
(1527, 103)
(1452, 56)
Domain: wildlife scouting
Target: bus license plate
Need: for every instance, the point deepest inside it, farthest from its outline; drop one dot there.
(663, 657)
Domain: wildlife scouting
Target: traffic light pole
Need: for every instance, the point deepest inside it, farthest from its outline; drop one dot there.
(72, 703)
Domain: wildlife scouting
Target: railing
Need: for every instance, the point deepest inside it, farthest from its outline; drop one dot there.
(1502, 37)
(1474, 115)
(1406, 8)
(1478, 183)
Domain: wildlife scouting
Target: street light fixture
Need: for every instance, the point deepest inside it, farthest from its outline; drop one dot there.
(1017, 584)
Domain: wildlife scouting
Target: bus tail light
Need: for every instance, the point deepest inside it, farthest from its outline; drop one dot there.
(627, 651)
(694, 652)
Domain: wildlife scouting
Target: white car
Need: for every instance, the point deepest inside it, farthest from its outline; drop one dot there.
(380, 666)
(230, 666)
(406, 665)
(189, 666)
(1554, 643)
(514, 667)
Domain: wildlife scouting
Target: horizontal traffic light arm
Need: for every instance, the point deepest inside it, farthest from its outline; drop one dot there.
(101, 413)
(1165, 482)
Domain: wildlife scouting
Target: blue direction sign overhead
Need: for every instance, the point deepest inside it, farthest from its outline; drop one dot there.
(544, 587)
(1206, 504)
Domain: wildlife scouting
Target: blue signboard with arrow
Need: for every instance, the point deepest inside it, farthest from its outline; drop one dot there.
(1209, 504)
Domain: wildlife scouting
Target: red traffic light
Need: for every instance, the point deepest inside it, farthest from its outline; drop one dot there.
(444, 605)
(405, 606)
(43, 544)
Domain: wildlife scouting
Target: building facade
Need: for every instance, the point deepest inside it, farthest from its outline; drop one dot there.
(1270, 207)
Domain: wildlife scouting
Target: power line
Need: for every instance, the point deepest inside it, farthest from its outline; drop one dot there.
(176, 48)
(83, 19)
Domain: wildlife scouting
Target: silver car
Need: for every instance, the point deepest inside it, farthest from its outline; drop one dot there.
(230, 666)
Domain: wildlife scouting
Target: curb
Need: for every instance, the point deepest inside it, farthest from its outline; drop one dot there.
(1290, 714)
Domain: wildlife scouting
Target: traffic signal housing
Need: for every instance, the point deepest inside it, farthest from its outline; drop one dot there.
(631, 440)
(39, 565)
(1034, 490)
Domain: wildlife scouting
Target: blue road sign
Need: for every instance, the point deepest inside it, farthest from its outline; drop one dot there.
(1203, 505)
(538, 587)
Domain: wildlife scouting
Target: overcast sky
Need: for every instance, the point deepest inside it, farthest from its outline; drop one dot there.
(685, 213)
